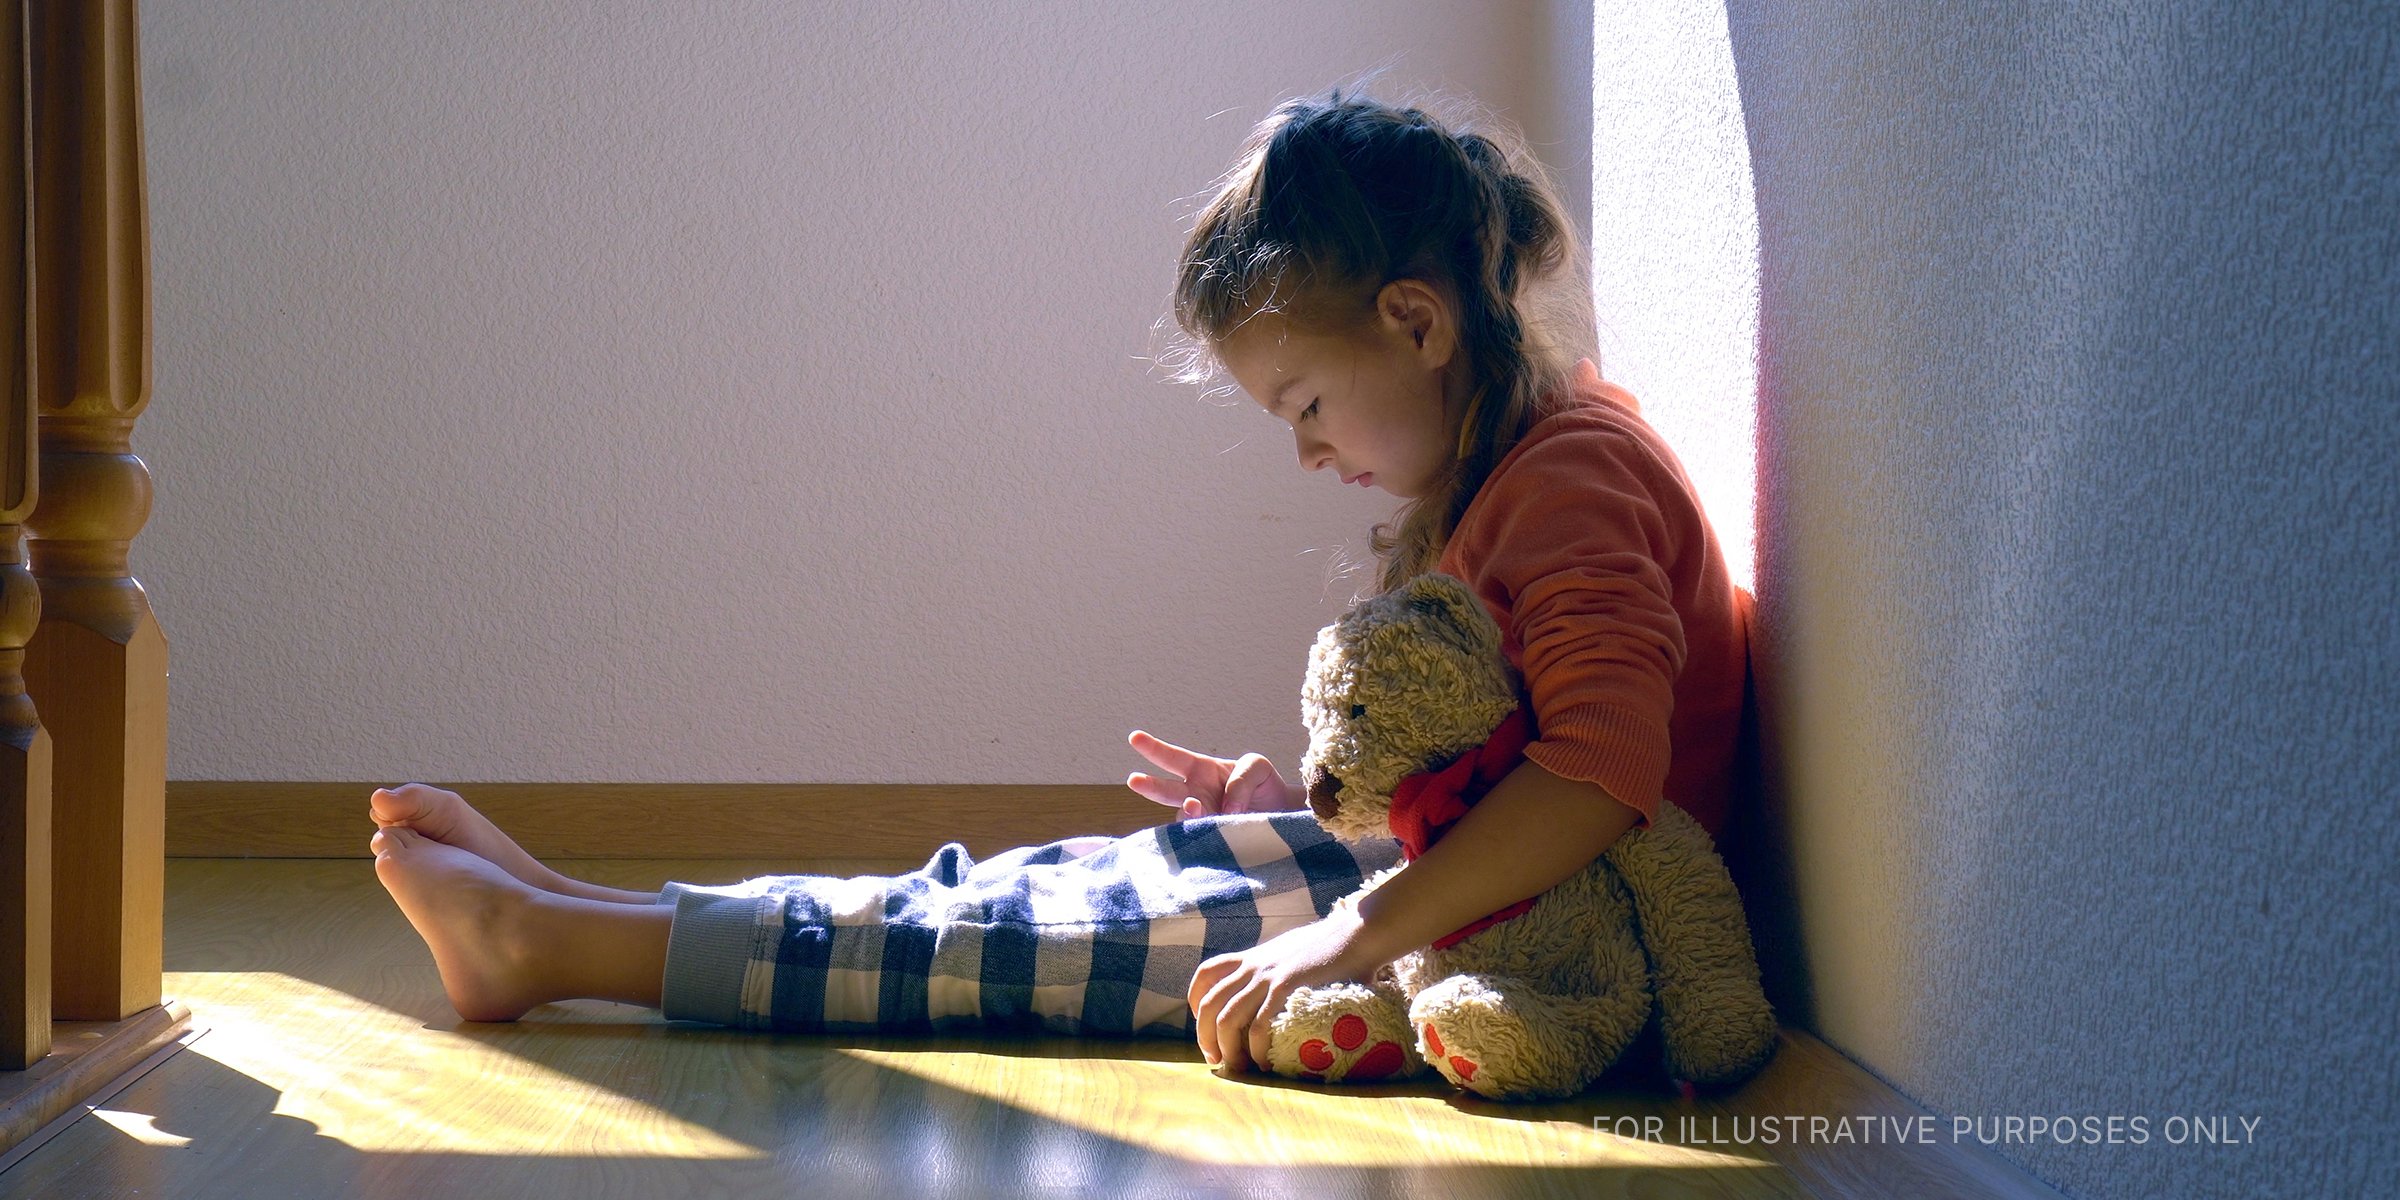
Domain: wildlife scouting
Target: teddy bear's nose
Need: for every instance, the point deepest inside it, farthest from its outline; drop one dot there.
(1323, 795)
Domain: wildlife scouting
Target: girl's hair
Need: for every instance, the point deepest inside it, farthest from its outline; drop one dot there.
(1334, 198)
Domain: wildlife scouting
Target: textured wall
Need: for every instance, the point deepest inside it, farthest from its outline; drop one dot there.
(2079, 430)
(726, 392)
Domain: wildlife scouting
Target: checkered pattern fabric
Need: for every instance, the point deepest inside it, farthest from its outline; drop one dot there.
(1084, 936)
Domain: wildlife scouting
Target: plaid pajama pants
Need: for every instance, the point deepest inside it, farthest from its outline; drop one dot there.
(1083, 936)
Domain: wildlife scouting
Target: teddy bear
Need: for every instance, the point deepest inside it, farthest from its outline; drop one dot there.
(1413, 711)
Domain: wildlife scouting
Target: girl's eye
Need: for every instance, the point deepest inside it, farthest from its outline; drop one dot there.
(1310, 411)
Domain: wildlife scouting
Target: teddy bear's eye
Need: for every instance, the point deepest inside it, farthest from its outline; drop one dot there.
(1357, 711)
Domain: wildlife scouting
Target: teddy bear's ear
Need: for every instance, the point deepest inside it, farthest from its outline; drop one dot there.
(1449, 600)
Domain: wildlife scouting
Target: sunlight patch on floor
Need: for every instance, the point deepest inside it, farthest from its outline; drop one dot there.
(382, 1081)
(1177, 1108)
(141, 1127)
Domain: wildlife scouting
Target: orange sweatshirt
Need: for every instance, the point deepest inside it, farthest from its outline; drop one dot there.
(1588, 546)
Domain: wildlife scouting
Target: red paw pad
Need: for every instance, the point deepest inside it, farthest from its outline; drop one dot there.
(1384, 1061)
(1466, 1070)
(1433, 1043)
(1350, 1031)
(1314, 1055)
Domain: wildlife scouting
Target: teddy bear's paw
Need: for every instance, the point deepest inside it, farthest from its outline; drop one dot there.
(1457, 1068)
(1344, 1032)
(1493, 1044)
(1348, 1056)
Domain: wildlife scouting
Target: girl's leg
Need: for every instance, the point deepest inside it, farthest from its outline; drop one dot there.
(1088, 936)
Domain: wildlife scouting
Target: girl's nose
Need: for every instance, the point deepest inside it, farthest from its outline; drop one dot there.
(1313, 455)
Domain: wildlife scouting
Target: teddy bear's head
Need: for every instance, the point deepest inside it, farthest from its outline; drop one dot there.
(1405, 682)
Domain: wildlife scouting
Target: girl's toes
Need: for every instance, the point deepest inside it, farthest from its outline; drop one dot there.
(395, 806)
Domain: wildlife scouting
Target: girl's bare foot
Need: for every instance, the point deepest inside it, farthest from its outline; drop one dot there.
(504, 947)
(473, 915)
(446, 817)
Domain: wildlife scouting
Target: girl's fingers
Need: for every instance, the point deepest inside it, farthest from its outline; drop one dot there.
(1194, 776)
(1229, 998)
(1204, 1023)
(1254, 779)
(1168, 755)
(1174, 795)
(1233, 1026)
(1264, 1024)
(1158, 791)
(1235, 798)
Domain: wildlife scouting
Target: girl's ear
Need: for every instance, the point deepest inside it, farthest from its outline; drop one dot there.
(1414, 313)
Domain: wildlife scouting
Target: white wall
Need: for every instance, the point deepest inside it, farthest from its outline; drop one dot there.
(736, 391)
(2080, 566)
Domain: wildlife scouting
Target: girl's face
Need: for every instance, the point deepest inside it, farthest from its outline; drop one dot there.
(1373, 404)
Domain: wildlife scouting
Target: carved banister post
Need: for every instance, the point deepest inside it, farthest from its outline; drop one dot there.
(97, 665)
(24, 745)
(24, 795)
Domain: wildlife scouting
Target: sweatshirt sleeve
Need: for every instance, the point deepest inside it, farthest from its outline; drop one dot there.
(1572, 540)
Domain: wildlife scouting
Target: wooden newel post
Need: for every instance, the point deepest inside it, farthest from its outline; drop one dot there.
(24, 808)
(97, 665)
(24, 745)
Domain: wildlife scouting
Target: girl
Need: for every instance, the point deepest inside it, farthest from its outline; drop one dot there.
(1369, 276)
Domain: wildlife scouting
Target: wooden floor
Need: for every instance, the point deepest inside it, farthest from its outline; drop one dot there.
(328, 1064)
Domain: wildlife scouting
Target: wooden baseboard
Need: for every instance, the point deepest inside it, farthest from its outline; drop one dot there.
(85, 1058)
(893, 822)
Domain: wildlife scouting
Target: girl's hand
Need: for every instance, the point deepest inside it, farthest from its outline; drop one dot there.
(1235, 997)
(1202, 785)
